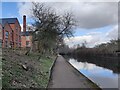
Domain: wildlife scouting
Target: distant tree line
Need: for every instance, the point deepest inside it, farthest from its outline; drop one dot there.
(105, 49)
(105, 54)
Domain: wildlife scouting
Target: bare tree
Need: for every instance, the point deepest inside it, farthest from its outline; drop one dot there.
(50, 28)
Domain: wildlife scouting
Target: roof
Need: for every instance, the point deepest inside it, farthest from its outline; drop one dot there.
(3, 21)
(27, 33)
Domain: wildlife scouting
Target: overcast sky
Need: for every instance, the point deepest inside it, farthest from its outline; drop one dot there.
(97, 21)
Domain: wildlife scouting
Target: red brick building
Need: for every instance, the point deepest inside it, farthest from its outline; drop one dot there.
(0, 35)
(26, 37)
(10, 31)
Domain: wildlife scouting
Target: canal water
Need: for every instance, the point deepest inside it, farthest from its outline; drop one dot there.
(103, 77)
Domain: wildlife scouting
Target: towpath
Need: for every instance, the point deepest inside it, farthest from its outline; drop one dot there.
(65, 76)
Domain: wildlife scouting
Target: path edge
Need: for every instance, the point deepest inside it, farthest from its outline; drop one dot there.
(50, 72)
(83, 74)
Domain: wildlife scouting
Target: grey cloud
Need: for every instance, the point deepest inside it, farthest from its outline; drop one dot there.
(60, 0)
(88, 15)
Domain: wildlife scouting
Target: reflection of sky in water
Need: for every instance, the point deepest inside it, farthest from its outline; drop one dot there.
(103, 77)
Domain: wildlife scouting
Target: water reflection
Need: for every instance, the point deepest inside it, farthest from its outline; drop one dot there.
(105, 78)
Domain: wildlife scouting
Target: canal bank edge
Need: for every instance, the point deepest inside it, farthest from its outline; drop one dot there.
(83, 75)
(50, 71)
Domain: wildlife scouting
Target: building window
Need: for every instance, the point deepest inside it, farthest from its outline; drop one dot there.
(27, 43)
(6, 44)
(11, 44)
(6, 34)
(19, 44)
(16, 28)
(27, 38)
(11, 34)
(0, 34)
(19, 37)
(0, 43)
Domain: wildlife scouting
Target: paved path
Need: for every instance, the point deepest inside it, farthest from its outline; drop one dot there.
(65, 76)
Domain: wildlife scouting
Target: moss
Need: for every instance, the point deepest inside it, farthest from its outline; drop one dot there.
(6, 78)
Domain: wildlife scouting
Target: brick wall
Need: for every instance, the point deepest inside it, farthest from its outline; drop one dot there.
(6, 39)
(26, 41)
(16, 34)
(23, 41)
(11, 35)
(0, 32)
(0, 35)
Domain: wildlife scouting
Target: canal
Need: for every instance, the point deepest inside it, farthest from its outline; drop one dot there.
(103, 72)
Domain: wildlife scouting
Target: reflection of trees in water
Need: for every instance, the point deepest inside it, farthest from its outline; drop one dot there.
(105, 55)
(106, 62)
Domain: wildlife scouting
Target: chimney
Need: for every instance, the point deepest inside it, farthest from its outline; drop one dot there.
(24, 23)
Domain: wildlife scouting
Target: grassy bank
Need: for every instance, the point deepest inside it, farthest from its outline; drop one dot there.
(0, 68)
(22, 71)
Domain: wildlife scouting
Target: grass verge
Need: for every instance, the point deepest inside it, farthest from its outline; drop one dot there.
(22, 71)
